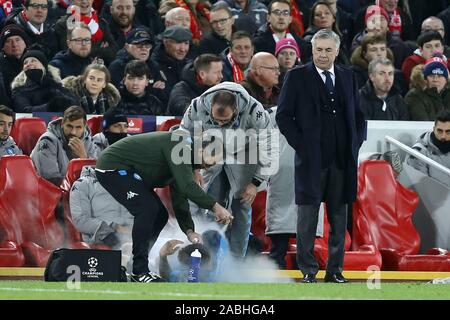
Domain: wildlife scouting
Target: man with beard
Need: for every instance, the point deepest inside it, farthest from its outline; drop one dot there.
(277, 28)
(66, 138)
(132, 167)
(76, 58)
(436, 146)
(122, 14)
(7, 144)
(115, 127)
(379, 98)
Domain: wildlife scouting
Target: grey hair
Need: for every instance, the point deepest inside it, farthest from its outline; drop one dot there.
(326, 34)
(374, 63)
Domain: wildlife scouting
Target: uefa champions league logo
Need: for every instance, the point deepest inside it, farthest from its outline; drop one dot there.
(92, 262)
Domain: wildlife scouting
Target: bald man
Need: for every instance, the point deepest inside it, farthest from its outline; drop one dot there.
(262, 79)
(178, 16)
(122, 20)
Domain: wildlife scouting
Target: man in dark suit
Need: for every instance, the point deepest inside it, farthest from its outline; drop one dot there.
(319, 115)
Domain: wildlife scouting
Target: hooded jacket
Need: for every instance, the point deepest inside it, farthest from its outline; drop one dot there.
(76, 86)
(9, 147)
(51, 155)
(372, 106)
(95, 212)
(425, 103)
(425, 146)
(250, 115)
(49, 95)
(184, 91)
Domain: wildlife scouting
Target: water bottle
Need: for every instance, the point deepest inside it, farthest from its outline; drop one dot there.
(196, 257)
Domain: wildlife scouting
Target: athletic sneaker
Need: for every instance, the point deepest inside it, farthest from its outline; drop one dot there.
(147, 277)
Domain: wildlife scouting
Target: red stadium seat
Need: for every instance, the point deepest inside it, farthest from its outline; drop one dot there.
(26, 133)
(11, 254)
(382, 215)
(95, 124)
(73, 173)
(29, 202)
(166, 125)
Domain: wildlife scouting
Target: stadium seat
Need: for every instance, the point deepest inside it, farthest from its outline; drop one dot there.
(361, 259)
(95, 124)
(382, 215)
(167, 124)
(11, 254)
(26, 132)
(29, 202)
(73, 173)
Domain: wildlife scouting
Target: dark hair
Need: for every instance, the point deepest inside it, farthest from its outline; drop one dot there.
(224, 99)
(335, 26)
(443, 116)
(240, 35)
(184, 255)
(27, 3)
(74, 113)
(203, 61)
(137, 68)
(7, 111)
(429, 36)
(269, 7)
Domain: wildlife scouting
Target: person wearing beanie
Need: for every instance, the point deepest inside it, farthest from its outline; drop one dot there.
(32, 19)
(262, 79)
(430, 43)
(115, 127)
(430, 91)
(375, 20)
(288, 56)
(38, 88)
(13, 42)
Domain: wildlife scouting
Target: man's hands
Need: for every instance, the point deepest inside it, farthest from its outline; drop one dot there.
(223, 216)
(198, 178)
(194, 237)
(170, 247)
(159, 85)
(249, 193)
(77, 146)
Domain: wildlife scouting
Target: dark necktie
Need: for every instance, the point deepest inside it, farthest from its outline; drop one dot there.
(328, 81)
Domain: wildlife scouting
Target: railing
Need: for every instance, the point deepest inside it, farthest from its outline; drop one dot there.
(417, 154)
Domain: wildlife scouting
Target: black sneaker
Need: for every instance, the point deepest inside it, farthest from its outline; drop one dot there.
(147, 277)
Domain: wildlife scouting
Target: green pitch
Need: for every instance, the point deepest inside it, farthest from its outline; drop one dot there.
(219, 291)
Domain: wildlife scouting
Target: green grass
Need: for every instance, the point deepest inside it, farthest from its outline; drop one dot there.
(31, 290)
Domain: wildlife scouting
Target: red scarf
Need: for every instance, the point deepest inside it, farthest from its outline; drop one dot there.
(297, 19)
(91, 21)
(238, 74)
(395, 20)
(195, 25)
(7, 6)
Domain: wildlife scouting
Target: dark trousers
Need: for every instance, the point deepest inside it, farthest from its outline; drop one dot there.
(332, 186)
(150, 215)
(279, 247)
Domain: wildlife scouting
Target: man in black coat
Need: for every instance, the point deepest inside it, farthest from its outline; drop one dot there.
(380, 99)
(278, 26)
(33, 20)
(318, 113)
(76, 58)
(197, 77)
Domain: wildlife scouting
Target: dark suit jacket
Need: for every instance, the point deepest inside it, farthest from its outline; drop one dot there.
(299, 120)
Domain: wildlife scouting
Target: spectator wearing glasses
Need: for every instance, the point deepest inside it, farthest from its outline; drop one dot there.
(277, 27)
(228, 107)
(249, 14)
(33, 20)
(262, 79)
(76, 58)
(218, 40)
(137, 47)
(103, 44)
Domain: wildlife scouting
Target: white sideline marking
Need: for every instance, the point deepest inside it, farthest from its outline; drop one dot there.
(170, 294)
